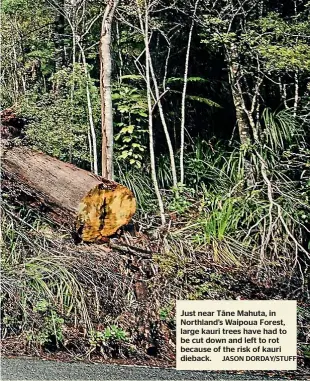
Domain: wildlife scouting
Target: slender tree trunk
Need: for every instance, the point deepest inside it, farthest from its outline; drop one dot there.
(105, 90)
(70, 12)
(244, 125)
(121, 62)
(90, 113)
(165, 127)
(16, 83)
(58, 40)
(234, 77)
(184, 95)
(296, 95)
(90, 145)
(145, 31)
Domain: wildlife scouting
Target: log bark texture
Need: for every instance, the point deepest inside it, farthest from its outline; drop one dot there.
(105, 90)
(95, 208)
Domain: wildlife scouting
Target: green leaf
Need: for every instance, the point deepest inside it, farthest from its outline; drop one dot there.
(132, 76)
(189, 79)
(199, 99)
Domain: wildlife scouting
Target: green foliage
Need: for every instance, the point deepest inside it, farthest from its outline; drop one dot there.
(131, 122)
(213, 165)
(167, 314)
(111, 340)
(115, 333)
(196, 98)
(275, 39)
(181, 200)
(209, 289)
(13, 6)
(242, 206)
(164, 176)
(281, 44)
(51, 327)
(218, 226)
(172, 263)
(281, 57)
(189, 79)
(111, 335)
(27, 50)
(236, 222)
(36, 285)
(281, 129)
(139, 181)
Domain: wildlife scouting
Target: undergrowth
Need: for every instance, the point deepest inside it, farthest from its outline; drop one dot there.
(264, 223)
(226, 239)
(49, 286)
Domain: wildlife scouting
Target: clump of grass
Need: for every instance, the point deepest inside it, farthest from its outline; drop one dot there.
(40, 269)
(140, 183)
(48, 283)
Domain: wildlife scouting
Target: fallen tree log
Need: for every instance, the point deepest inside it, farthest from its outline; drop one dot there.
(93, 207)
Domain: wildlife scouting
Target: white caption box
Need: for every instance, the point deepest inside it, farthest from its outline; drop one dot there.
(236, 335)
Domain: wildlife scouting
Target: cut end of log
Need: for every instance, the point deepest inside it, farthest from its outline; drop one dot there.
(103, 211)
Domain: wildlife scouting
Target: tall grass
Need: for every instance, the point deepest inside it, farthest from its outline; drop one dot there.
(263, 224)
(281, 129)
(37, 266)
(42, 265)
(139, 182)
(238, 223)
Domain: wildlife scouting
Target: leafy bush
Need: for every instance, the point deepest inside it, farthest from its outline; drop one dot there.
(131, 124)
(50, 329)
(110, 337)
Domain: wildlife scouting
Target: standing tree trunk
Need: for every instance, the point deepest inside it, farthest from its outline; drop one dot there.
(164, 124)
(296, 95)
(59, 40)
(105, 90)
(242, 116)
(145, 32)
(234, 78)
(93, 140)
(184, 95)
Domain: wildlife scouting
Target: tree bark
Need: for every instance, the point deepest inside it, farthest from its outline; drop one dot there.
(59, 40)
(182, 175)
(105, 90)
(234, 78)
(145, 32)
(93, 207)
(164, 124)
(296, 95)
(242, 116)
(93, 142)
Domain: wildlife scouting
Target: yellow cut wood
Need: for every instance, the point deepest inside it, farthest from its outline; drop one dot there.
(103, 211)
